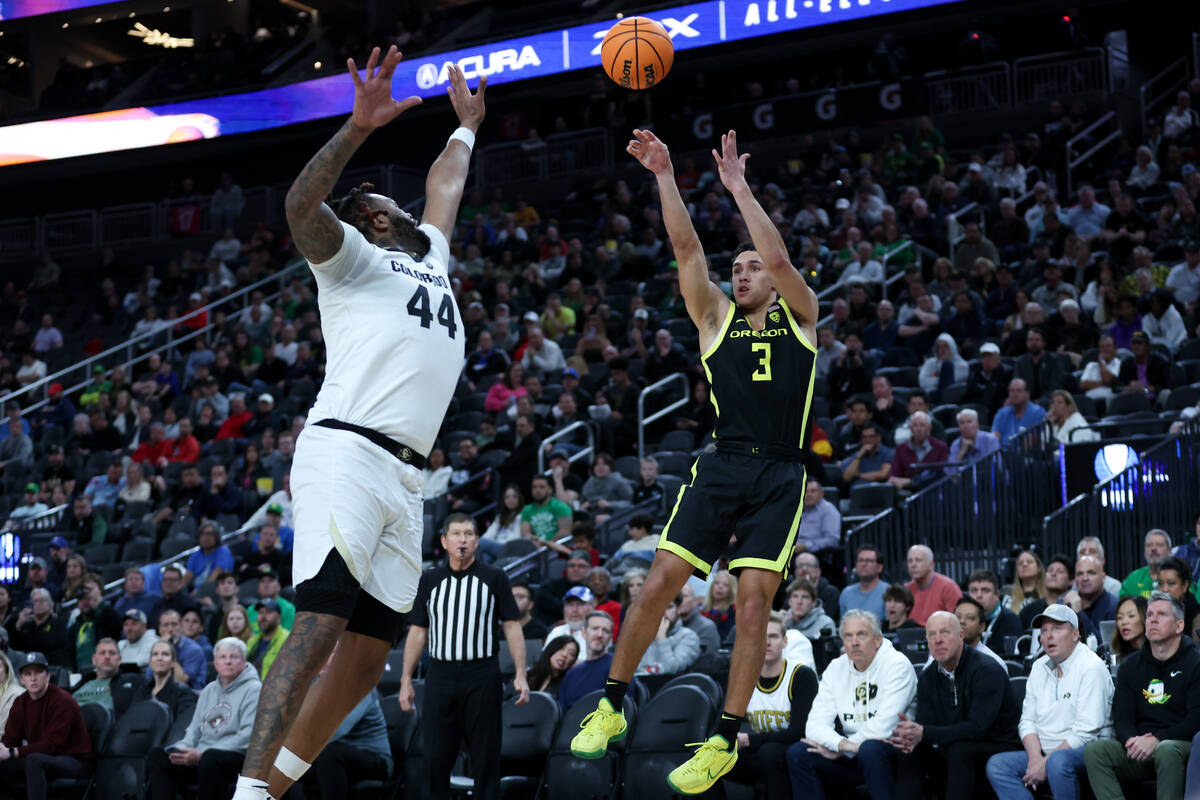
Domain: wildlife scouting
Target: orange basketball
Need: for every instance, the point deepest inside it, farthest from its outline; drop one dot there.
(637, 53)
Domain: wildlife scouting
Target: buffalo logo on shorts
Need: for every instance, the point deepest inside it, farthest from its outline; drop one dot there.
(405, 453)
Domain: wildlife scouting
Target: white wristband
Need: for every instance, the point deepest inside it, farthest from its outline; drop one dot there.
(464, 135)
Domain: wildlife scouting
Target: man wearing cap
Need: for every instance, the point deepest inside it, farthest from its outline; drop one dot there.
(1155, 711)
(265, 645)
(58, 411)
(37, 627)
(1147, 372)
(92, 620)
(577, 604)
(56, 567)
(542, 354)
(139, 640)
(1068, 703)
(45, 737)
(1183, 282)
(30, 506)
(570, 383)
(269, 587)
(265, 555)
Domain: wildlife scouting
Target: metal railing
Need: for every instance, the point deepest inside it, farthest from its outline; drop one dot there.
(1158, 491)
(588, 451)
(1158, 90)
(46, 521)
(1054, 76)
(643, 420)
(954, 228)
(1098, 135)
(979, 88)
(576, 151)
(129, 352)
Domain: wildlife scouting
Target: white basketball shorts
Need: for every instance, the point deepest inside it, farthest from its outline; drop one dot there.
(353, 496)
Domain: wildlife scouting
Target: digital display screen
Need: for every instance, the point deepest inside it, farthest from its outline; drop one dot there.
(522, 58)
(16, 9)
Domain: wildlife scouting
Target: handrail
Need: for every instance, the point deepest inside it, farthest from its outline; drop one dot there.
(954, 232)
(643, 420)
(572, 457)
(26, 524)
(906, 245)
(168, 327)
(1147, 87)
(1082, 157)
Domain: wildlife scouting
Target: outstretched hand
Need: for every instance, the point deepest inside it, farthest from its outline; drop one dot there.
(650, 151)
(469, 107)
(374, 106)
(730, 166)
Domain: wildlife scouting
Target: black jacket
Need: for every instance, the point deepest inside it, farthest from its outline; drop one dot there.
(989, 390)
(979, 706)
(1005, 624)
(1158, 697)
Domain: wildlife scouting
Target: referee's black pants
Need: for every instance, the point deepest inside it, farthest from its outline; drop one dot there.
(462, 701)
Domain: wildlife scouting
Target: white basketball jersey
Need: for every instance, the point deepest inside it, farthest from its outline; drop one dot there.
(394, 339)
(770, 707)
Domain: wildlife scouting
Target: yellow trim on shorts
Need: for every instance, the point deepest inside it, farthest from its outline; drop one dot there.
(780, 563)
(677, 549)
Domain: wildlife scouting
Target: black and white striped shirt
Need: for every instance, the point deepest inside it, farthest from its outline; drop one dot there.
(463, 610)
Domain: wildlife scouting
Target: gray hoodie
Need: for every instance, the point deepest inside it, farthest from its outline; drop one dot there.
(224, 715)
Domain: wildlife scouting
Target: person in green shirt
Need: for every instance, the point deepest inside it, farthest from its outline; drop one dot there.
(268, 589)
(547, 518)
(1156, 547)
(265, 645)
(106, 661)
(98, 386)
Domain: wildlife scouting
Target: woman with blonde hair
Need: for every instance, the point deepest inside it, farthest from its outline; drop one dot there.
(1065, 417)
(170, 682)
(10, 688)
(1029, 583)
(719, 606)
(235, 623)
(76, 572)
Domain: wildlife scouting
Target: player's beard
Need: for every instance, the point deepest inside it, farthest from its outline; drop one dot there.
(409, 236)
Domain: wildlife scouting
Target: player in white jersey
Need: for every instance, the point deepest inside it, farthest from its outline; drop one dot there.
(395, 345)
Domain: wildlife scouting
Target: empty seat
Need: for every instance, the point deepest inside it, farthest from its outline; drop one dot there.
(673, 718)
(872, 498)
(674, 462)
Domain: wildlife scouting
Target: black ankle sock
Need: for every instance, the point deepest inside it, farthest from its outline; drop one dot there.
(615, 692)
(727, 728)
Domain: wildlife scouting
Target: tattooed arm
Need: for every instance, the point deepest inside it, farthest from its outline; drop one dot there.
(314, 227)
(448, 175)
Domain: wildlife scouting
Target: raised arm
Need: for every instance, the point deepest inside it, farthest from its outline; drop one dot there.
(448, 175)
(315, 228)
(788, 281)
(706, 304)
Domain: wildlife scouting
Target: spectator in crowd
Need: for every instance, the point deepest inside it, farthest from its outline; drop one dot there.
(531, 626)
(577, 604)
(138, 641)
(944, 368)
(10, 687)
(191, 623)
(210, 557)
(1147, 372)
(214, 744)
(106, 685)
(973, 246)
(872, 462)
(1029, 582)
(36, 577)
(846, 737)
(970, 617)
(558, 656)
(1068, 703)
(777, 714)
(1041, 370)
(821, 523)
(190, 654)
(721, 603)
(1155, 710)
(867, 594)
(1091, 546)
(1184, 279)
(966, 712)
(226, 204)
(1067, 422)
(987, 381)
(1189, 552)
(674, 648)
(265, 645)
(103, 489)
(44, 737)
(898, 605)
(1130, 633)
(691, 617)
(1018, 415)
(806, 565)
(984, 587)
(174, 596)
(1156, 547)
(1099, 378)
(30, 505)
(546, 518)
(1175, 578)
(805, 613)
(1060, 588)
(269, 588)
(921, 448)
(932, 591)
(135, 594)
(589, 675)
(93, 619)
(971, 444)
(39, 630)
(638, 549)
(549, 595)
(1096, 604)
(606, 490)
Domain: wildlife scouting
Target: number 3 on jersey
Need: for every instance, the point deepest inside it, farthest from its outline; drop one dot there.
(419, 306)
(763, 350)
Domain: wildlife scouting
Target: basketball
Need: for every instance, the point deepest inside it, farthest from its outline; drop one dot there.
(637, 53)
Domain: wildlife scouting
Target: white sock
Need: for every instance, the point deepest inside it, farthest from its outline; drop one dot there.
(251, 789)
(290, 764)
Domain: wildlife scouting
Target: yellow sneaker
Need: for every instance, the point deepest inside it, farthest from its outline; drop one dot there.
(598, 728)
(701, 771)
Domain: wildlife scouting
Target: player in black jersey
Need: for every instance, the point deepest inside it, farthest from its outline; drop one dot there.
(760, 357)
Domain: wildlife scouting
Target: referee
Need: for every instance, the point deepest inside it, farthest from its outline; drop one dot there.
(459, 611)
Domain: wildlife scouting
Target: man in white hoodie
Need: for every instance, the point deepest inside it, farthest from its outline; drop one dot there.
(866, 689)
(1068, 703)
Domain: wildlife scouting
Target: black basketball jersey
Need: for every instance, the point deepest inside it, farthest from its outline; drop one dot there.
(762, 381)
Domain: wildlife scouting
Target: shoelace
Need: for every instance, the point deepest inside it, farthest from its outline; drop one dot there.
(710, 746)
(596, 715)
